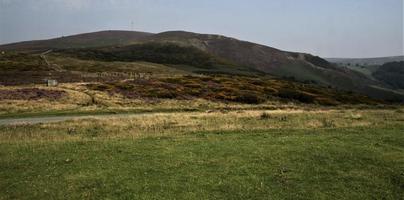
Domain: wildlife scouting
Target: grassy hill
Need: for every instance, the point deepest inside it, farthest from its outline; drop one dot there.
(205, 53)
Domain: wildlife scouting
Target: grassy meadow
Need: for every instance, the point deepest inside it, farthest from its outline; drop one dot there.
(240, 154)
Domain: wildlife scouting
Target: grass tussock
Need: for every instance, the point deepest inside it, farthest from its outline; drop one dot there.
(265, 115)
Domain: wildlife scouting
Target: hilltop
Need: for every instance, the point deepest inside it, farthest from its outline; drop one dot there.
(85, 40)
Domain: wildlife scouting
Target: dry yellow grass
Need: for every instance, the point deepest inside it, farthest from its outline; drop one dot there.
(163, 124)
(72, 100)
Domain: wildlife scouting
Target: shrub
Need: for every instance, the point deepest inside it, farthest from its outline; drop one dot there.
(399, 111)
(265, 115)
(249, 98)
(99, 87)
(296, 95)
(193, 85)
(165, 94)
(356, 116)
(125, 86)
(328, 123)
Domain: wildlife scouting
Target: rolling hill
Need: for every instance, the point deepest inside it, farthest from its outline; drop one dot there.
(366, 61)
(213, 53)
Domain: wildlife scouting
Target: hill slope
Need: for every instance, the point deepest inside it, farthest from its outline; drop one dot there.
(366, 61)
(267, 59)
(391, 73)
(233, 52)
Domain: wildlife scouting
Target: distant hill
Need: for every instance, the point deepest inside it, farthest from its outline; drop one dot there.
(213, 53)
(86, 40)
(365, 61)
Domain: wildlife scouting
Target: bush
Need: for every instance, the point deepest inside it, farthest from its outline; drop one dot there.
(265, 115)
(328, 123)
(99, 87)
(249, 98)
(125, 86)
(164, 94)
(296, 95)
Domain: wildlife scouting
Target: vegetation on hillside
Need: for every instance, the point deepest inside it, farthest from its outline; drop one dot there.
(30, 94)
(392, 74)
(163, 53)
(248, 90)
(14, 61)
(315, 60)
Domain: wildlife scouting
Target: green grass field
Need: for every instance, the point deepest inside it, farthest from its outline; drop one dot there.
(289, 164)
(336, 154)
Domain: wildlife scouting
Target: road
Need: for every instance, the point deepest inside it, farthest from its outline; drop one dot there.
(52, 119)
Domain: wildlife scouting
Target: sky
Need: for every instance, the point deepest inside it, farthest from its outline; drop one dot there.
(328, 28)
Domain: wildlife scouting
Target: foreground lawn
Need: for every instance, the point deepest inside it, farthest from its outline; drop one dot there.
(334, 163)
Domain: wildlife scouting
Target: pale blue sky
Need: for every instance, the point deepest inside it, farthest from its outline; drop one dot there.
(329, 28)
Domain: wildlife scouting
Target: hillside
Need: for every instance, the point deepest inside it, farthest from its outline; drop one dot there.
(365, 61)
(300, 66)
(188, 58)
(209, 54)
(391, 73)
